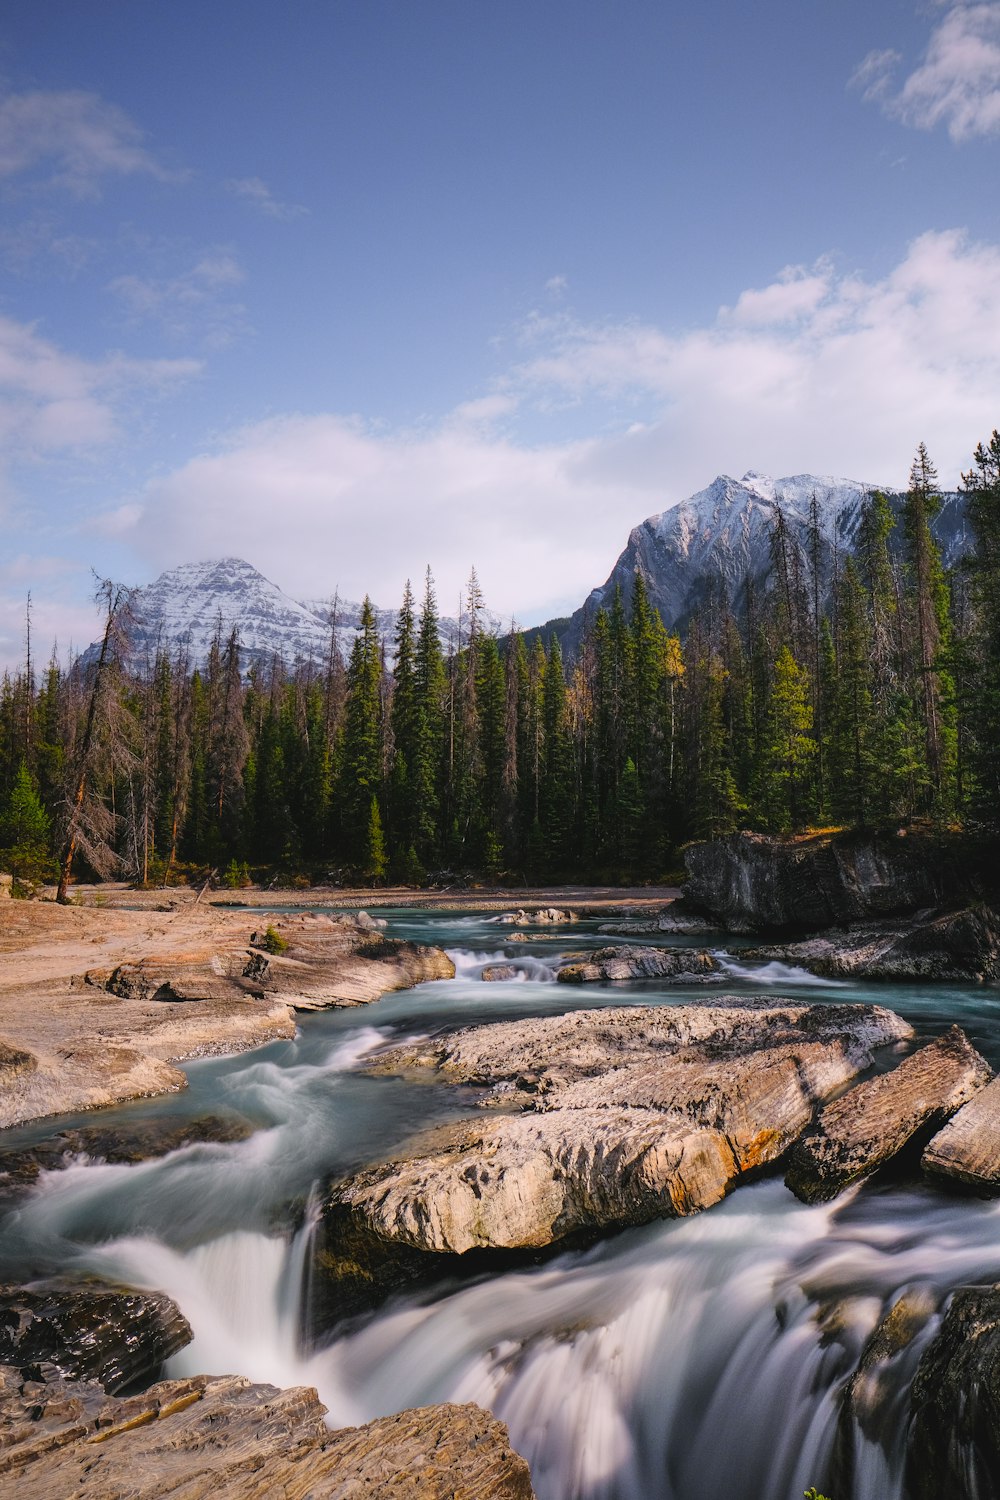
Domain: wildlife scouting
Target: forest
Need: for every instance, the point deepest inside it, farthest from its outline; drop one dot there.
(866, 694)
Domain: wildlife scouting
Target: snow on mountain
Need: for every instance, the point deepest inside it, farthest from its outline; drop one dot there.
(717, 539)
(721, 537)
(184, 610)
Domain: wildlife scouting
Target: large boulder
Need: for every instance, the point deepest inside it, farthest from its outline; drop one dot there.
(121, 1143)
(966, 1153)
(954, 1433)
(751, 882)
(323, 961)
(636, 963)
(604, 1118)
(91, 1331)
(958, 945)
(226, 1438)
(874, 1121)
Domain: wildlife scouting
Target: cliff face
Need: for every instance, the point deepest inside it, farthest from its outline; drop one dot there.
(749, 882)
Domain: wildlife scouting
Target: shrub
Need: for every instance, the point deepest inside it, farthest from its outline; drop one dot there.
(274, 942)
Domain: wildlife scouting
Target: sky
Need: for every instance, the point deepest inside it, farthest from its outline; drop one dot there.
(352, 287)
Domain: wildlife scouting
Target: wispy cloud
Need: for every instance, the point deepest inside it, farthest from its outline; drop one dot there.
(822, 370)
(194, 305)
(52, 401)
(956, 84)
(255, 192)
(75, 138)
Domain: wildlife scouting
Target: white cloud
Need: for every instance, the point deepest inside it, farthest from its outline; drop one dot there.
(821, 371)
(54, 619)
(77, 137)
(192, 305)
(957, 83)
(255, 192)
(51, 400)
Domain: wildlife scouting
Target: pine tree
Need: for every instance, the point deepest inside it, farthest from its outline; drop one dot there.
(982, 487)
(928, 605)
(790, 747)
(24, 831)
(374, 859)
(361, 761)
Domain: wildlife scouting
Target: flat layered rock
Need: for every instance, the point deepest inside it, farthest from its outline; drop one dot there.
(536, 918)
(112, 1335)
(495, 973)
(636, 963)
(872, 1123)
(122, 1143)
(229, 1439)
(97, 1006)
(962, 945)
(669, 921)
(967, 1151)
(623, 1116)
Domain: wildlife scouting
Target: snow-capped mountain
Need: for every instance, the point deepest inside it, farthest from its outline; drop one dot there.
(187, 607)
(718, 538)
(721, 537)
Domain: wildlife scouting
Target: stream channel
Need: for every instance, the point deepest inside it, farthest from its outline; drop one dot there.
(687, 1360)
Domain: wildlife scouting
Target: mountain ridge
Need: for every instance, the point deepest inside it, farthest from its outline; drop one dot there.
(715, 540)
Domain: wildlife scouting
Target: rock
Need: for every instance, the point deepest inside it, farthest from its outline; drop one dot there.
(19, 1168)
(962, 945)
(328, 961)
(954, 1433)
(966, 1153)
(89, 1330)
(874, 1121)
(6, 887)
(751, 882)
(875, 1403)
(495, 972)
(539, 917)
(636, 963)
(625, 1115)
(672, 920)
(226, 1438)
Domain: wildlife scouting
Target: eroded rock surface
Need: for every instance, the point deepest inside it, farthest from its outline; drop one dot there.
(228, 1439)
(539, 917)
(954, 1434)
(96, 1006)
(622, 1115)
(636, 963)
(962, 945)
(673, 920)
(873, 1122)
(111, 1335)
(966, 1153)
(121, 1143)
(751, 882)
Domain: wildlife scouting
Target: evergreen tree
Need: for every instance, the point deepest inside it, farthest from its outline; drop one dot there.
(24, 830)
(361, 761)
(790, 748)
(982, 487)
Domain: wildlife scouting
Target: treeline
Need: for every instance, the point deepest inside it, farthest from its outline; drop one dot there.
(862, 691)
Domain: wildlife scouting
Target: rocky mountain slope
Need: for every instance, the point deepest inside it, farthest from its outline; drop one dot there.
(717, 539)
(721, 537)
(187, 607)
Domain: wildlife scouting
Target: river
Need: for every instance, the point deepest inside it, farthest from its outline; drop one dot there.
(687, 1360)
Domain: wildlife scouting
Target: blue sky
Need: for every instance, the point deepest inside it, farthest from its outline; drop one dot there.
(349, 286)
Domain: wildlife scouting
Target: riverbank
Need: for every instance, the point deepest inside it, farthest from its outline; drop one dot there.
(100, 1000)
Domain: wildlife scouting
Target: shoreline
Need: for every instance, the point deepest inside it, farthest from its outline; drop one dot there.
(100, 1002)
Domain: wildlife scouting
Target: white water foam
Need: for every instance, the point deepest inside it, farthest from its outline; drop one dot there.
(774, 973)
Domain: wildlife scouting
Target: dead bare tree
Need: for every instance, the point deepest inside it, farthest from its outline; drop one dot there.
(89, 822)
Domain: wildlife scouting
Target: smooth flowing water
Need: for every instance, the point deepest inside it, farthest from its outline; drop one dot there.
(688, 1360)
